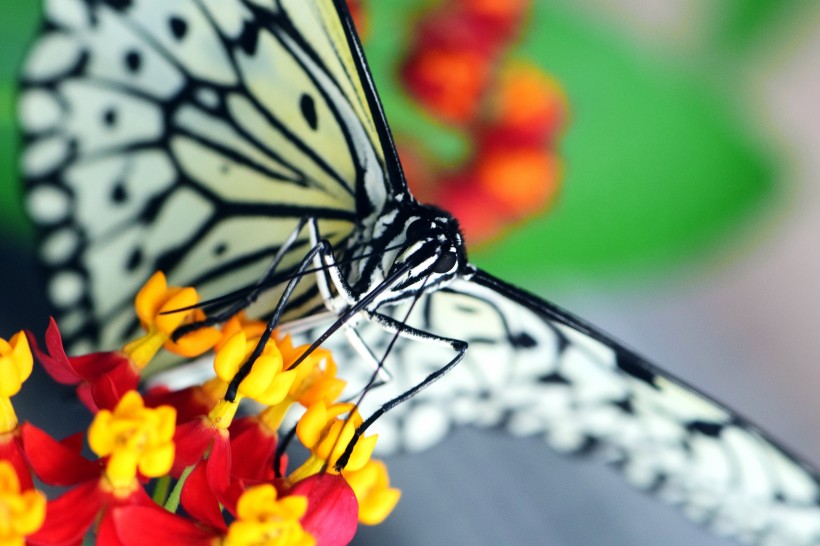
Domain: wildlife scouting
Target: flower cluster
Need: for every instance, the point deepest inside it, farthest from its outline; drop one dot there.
(458, 69)
(180, 467)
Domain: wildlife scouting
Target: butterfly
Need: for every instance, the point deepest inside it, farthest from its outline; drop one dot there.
(206, 137)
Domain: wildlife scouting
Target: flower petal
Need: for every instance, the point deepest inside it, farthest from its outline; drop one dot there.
(253, 449)
(53, 462)
(191, 439)
(199, 500)
(333, 512)
(218, 465)
(11, 450)
(140, 525)
(110, 387)
(69, 516)
(54, 361)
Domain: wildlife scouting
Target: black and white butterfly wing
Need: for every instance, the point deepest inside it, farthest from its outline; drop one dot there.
(190, 137)
(533, 369)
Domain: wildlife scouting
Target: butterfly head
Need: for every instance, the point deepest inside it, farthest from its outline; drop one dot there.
(433, 249)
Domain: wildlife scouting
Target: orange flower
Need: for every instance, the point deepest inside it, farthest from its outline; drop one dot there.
(528, 109)
(158, 308)
(520, 181)
(448, 81)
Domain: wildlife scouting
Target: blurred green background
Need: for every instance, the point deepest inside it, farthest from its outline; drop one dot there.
(662, 165)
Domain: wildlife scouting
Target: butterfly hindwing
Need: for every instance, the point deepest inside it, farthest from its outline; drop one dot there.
(188, 136)
(533, 369)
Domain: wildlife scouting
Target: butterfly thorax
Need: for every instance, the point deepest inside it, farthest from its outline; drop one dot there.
(412, 247)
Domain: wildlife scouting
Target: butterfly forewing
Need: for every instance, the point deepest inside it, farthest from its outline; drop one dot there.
(188, 136)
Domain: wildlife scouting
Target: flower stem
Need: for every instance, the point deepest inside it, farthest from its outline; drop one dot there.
(161, 489)
(173, 499)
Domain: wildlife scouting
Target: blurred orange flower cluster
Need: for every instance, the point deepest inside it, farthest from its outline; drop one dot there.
(459, 70)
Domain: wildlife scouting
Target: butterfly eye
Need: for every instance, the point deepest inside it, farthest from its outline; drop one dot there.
(417, 230)
(445, 263)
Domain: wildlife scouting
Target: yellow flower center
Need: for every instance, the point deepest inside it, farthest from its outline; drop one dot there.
(134, 438)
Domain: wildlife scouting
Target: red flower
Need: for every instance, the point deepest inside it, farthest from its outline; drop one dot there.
(191, 402)
(330, 517)
(57, 463)
(449, 82)
(11, 450)
(92, 499)
(101, 378)
(71, 515)
(138, 525)
(333, 512)
(499, 19)
(207, 448)
(254, 450)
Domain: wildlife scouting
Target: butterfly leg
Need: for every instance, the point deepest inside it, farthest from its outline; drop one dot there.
(321, 256)
(328, 272)
(267, 279)
(401, 329)
(320, 248)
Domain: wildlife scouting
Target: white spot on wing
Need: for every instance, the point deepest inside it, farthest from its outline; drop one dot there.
(66, 13)
(65, 288)
(138, 120)
(47, 204)
(39, 111)
(592, 381)
(53, 55)
(425, 426)
(142, 175)
(45, 155)
(207, 97)
(200, 51)
(111, 40)
(59, 246)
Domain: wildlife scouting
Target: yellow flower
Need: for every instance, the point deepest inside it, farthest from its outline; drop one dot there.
(241, 322)
(156, 298)
(266, 382)
(16, 364)
(372, 487)
(326, 434)
(134, 437)
(264, 519)
(315, 380)
(21, 513)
